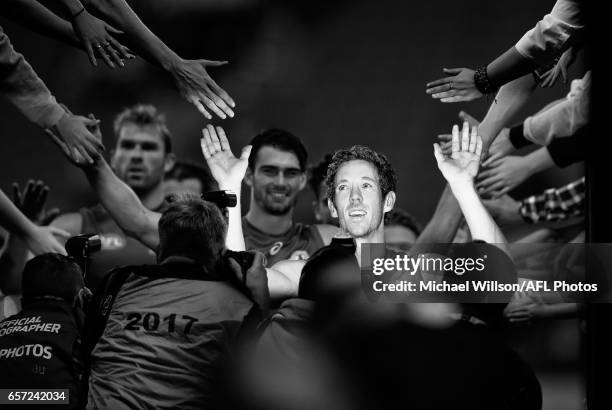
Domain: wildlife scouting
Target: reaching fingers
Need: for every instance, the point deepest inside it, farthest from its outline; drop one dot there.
(445, 137)
(209, 142)
(216, 144)
(205, 145)
(225, 146)
(445, 94)
(90, 54)
(17, 199)
(102, 52)
(195, 101)
(493, 160)
(219, 102)
(456, 147)
(473, 139)
(213, 63)
(112, 47)
(453, 71)
(440, 88)
(498, 194)
(212, 106)
(222, 93)
(496, 186)
(439, 82)
(81, 155)
(456, 98)
(42, 195)
(465, 137)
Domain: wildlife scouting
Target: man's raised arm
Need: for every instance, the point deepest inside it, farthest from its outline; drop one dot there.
(123, 204)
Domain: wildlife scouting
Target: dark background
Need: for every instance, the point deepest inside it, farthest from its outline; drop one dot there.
(335, 73)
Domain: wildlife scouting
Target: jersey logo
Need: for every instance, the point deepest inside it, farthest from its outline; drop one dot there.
(111, 241)
(276, 248)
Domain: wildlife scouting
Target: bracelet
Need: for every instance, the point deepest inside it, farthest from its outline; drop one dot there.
(482, 82)
(75, 15)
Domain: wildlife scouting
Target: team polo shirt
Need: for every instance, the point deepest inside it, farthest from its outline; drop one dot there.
(299, 237)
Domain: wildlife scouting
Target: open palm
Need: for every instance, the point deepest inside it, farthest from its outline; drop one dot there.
(226, 168)
(465, 156)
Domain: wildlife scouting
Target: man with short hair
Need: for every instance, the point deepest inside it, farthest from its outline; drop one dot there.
(169, 327)
(40, 346)
(276, 175)
(143, 153)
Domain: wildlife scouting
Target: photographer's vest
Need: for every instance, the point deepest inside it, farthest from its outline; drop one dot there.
(158, 335)
(118, 249)
(40, 349)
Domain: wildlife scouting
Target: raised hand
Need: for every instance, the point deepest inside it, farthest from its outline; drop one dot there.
(503, 174)
(227, 170)
(31, 201)
(196, 86)
(73, 136)
(462, 165)
(97, 38)
(459, 86)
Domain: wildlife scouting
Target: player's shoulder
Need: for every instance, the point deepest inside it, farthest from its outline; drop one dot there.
(71, 222)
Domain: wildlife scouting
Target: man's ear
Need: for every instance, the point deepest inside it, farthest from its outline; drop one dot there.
(169, 162)
(248, 177)
(389, 201)
(332, 208)
(303, 180)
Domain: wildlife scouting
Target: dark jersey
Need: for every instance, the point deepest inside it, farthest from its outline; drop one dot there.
(299, 237)
(39, 349)
(164, 340)
(117, 248)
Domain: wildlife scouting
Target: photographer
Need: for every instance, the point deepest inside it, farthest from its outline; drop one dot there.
(176, 322)
(40, 346)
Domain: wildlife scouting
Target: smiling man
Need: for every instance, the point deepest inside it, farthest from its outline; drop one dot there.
(276, 175)
(142, 155)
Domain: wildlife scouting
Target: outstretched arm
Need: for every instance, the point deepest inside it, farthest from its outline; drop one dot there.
(38, 18)
(190, 76)
(551, 36)
(460, 170)
(228, 171)
(123, 204)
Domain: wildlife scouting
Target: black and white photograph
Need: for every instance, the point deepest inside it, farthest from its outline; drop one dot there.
(291, 204)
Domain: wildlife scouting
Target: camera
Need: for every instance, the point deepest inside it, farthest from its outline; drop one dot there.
(244, 259)
(223, 199)
(81, 246)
